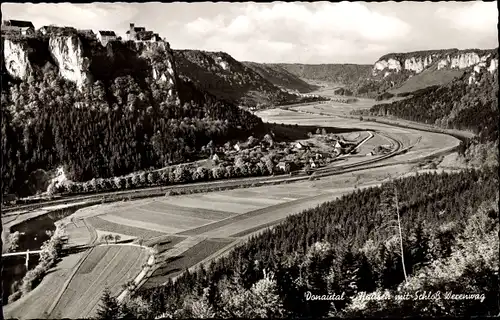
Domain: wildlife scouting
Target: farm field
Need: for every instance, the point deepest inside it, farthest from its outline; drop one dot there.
(175, 264)
(78, 234)
(106, 266)
(104, 225)
(37, 302)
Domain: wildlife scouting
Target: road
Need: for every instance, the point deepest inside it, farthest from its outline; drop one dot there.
(160, 190)
(21, 253)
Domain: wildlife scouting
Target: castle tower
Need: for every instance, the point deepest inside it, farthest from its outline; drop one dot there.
(131, 33)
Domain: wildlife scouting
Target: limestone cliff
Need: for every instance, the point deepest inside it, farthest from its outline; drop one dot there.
(489, 64)
(163, 67)
(417, 62)
(399, 73)
(82, 60)
(15, 56)
(67, 52)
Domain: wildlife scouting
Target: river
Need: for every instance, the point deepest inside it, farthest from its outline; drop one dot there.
(33, 233)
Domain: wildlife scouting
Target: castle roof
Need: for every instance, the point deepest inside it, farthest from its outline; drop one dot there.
(18, 23)
(137, 29)
(107, 33)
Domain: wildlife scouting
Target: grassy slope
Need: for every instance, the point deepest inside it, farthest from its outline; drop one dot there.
(335, 73)
(280, 77)
(426, 79)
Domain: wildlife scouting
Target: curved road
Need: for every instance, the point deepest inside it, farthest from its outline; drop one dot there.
(198, 185)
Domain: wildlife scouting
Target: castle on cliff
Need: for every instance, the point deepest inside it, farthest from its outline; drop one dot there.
(27, 29)
(141, 34)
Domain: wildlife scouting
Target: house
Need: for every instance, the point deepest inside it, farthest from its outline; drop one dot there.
(216, 158)
(312, 163)
(283, 166)
(299, 145)
(369, 154)
(9, 198)
(18, 27)
(237, 147)
(104, 36)
(340, 144)
(133, 30)
(141, 34)
(87, 32)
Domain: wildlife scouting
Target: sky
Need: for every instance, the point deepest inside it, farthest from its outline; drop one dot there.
(287, 32)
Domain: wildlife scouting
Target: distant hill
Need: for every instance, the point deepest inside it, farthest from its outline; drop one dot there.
(226, 78)
(411, 71)
(468, 102)
(336, 73)
(281, 77)
(395, 73)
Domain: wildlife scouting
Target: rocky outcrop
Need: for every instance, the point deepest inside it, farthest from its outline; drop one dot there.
(82, 60)
(493, 65)
(163, 67)
(16, 59)
(417, 62)
(67, 52)
(488, 64)
(389, 64)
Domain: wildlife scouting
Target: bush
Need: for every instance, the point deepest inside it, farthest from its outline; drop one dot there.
(32, 278)
(15, 296)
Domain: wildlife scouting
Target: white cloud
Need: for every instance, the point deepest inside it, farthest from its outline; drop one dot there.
(325, 29)
(477, 16)
(241, 25)
(345, 18)
(318, 32)
(202, 26)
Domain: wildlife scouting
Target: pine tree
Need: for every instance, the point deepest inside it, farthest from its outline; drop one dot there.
(109, 308)
(389, 204)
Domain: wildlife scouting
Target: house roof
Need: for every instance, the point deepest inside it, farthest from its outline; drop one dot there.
(53, 28)
(137, 29)
(144, 35)
(107, 33)
(18, 23)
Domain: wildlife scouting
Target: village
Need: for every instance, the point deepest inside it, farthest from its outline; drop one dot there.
(318, 150)
(26, 29)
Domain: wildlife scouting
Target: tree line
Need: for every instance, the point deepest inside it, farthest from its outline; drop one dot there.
(109, 128)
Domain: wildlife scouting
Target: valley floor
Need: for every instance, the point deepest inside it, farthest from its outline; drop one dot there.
(188, 230)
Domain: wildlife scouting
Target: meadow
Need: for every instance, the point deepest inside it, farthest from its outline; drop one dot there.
(173, 265)
(106, 266)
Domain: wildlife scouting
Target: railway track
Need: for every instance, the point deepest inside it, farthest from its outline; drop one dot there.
(160, 190)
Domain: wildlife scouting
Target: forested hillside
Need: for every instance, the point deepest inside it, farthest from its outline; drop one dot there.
(117, 123)
(469, 103)
(349, 247)
(280, 77)
(221, 75)
(335, 73)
